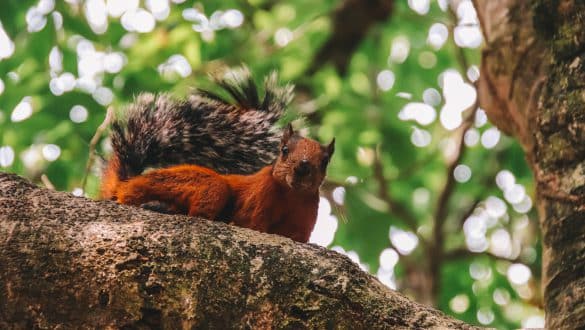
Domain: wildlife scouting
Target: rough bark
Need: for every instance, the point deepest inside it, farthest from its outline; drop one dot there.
(73, 263)
(532, 86)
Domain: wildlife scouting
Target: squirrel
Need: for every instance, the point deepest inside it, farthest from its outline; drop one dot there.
(220, 160)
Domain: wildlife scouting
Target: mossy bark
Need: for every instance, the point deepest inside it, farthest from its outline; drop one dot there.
(532, 86)
(72, 263)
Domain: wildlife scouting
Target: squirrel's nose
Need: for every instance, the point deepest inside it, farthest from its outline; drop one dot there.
(303, 168)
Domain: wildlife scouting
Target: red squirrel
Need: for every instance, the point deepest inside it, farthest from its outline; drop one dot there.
(214, 179)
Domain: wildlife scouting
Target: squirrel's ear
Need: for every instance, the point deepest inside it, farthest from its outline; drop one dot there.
(288, 133)
(331, 147)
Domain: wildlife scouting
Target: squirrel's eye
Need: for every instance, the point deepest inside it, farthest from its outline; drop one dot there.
(284, 150)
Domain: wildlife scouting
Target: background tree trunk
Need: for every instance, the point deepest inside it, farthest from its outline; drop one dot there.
(532, 86)
(74, 263)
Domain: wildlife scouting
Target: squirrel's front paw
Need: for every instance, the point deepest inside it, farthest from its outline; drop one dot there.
(158, 206)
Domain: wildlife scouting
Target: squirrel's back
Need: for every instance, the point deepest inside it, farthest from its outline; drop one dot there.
(205, 129)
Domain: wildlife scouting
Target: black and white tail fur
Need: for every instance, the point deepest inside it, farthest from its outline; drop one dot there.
(230, 137)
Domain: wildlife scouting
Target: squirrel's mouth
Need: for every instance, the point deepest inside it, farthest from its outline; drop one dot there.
(305, 183)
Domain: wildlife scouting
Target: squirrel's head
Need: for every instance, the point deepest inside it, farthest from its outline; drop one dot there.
(302, 162)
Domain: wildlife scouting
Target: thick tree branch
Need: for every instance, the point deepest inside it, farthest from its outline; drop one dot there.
(510, 69)
(75, 263)
(531, 87)
(351, 21)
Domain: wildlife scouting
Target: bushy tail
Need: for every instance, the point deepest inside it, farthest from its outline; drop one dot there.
(206, 129)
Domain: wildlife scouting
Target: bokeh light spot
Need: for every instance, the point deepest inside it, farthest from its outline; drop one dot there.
(490, 138)
(399, 50)
(385, 80)
(518, 274)
(438, 34)
(420, 112)
(432, 97)
(485, 316)
(51, 152)
(495, 207)
(420, 137)
(427, 60)
(176, 64)
(6, 156)
(23, 110)
(459, 304)
(421, 7)
(404, 241)
(326, 225)
(501, 243)
(283, 37)
(462, 173)
(78, 114)
(338, 195)
(388, 259)
(471, 137)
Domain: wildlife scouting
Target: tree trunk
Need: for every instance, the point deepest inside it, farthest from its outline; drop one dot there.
(532, 86)
(73, 263)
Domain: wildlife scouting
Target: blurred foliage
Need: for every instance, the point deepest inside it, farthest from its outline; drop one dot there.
(357, 108)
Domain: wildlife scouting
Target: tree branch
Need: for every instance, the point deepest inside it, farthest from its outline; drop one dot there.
(440, 214)
(435, 252)
(75, 263)
(351, 21)
(384, 193)
(481, 19)
(441, 209)
(93, 144)
(463, 253)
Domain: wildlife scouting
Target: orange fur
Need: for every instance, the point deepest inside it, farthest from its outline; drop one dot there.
(264, 204)
(279, 199)
(110, 179)
(186, 189)
(255, 201)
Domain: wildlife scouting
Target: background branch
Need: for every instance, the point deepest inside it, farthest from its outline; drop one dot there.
(351, 21)
(435, 252)
(396, 208)
(93, 144)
